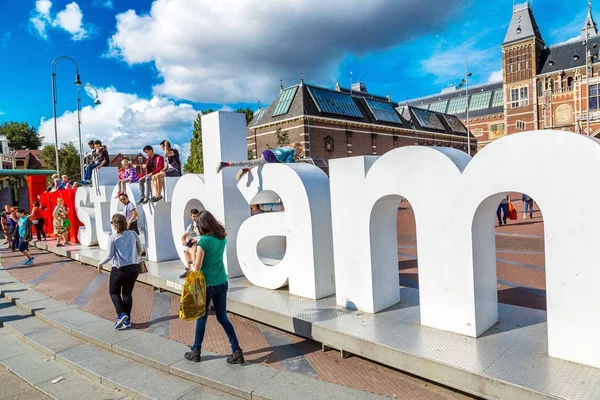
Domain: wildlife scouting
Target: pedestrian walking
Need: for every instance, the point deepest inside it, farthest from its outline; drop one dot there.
(25, 235)
(189, 240)
(527, 206)
(130, 213)
(37, 220)
(124, 249)
(61, 222)
(6, 225)
(503, 206)
(209, 260)
(154, 164)
(13, 229)
(285, 154)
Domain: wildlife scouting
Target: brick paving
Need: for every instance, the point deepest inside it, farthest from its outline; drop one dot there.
(521, 281)
(69, 280)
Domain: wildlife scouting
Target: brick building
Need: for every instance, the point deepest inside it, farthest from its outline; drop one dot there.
(27, 159)
(542, 87)
(346, 122)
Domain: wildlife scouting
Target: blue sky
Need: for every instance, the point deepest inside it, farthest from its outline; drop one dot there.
(157, 63)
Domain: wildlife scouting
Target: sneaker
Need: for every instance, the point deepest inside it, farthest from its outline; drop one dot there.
(121, 320)
(193, 355)
(156, 199)
(185, 274)
(126, 324)
(60, 245)
(67, 243)
(29, 261)
(241, 173)
(220, 166)
(142, 200)
(237, 357)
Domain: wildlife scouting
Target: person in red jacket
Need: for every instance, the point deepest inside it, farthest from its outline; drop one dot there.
(154, 164)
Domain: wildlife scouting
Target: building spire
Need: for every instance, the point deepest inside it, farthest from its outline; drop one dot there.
(523, 25)
(589, 27)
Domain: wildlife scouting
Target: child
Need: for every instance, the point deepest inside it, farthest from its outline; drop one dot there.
(56, 182)
(25, 235)
(189, 240)
(285, 154)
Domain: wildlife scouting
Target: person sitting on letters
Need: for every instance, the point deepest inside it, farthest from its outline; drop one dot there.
(154, 164)
(100, 159)
(285, 154)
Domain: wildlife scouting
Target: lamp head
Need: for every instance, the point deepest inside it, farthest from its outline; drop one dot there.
(97, 101)
(77, 79)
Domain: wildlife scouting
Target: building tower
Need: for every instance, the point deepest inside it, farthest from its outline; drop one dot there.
(521, 53)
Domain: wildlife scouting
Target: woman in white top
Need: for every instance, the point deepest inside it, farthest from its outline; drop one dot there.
(124, 248)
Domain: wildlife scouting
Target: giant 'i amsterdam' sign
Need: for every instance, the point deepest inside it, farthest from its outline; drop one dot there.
(340, 232)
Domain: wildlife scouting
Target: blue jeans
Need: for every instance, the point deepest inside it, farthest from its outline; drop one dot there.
(528, 206)
(504, 208)
(88, 171)
(218, 295)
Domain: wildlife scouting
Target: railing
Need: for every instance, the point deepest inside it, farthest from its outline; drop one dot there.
(519, 7)
(563, 90)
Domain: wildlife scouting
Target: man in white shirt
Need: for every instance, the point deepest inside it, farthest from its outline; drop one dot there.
(130, 213)
(189, 240)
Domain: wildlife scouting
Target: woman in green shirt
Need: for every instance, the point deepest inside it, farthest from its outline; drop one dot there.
(209, 260)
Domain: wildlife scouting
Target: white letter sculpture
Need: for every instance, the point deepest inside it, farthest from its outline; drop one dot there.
(103, 181)
(306, 224)
(454, 208)
(84, 207)
(223, 138)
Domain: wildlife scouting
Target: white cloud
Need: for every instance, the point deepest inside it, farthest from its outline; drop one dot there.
(495, 76)
(2, 113)
(231, 51)
(70, 20)
(126, 123)
(449, 64)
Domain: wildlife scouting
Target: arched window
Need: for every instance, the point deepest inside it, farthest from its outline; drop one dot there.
(550, 84)
(570, 83)
(540, 89)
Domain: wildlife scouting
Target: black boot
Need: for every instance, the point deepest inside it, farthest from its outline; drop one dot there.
(193, 355)
(237, 357)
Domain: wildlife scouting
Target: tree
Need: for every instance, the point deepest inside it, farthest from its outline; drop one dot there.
(249, 114)
(21, 136)
(283, 139)
(195, 161)
(68, 157)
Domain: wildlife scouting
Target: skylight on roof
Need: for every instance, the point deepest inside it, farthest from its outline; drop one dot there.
(428, 119)
(331, 102)
(498, 98)
(457, 105)
(258, 116)
(480, 101)
(285, 101)
(383, 111)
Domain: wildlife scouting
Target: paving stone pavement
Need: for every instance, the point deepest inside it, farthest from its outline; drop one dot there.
(15, 388)
(265, 346)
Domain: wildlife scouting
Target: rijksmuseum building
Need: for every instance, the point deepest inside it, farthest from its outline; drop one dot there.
(542, 87)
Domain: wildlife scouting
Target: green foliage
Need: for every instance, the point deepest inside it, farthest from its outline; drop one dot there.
(68, 157)
(195, 161)
(21, 136)
(283, 139)
(249, 114)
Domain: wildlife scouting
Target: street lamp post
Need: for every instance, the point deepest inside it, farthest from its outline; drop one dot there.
(96, 101)
(54, 100)
(465, 83)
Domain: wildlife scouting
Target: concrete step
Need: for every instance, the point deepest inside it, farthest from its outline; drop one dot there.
(146, 365)
(39, 370)
(90, 363)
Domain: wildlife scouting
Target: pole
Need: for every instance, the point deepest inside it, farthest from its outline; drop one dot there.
(54, 114)
(54, 101)
(587, 78)
(79, 128)
(467, 94)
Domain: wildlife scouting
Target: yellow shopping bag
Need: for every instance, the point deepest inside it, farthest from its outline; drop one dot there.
(192, 304)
